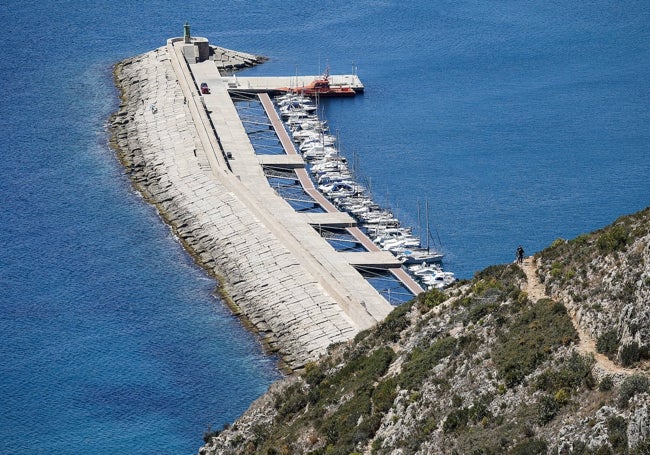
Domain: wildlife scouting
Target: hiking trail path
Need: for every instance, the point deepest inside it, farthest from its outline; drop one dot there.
(586, 344)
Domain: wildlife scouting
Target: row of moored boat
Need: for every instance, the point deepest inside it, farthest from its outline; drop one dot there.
(334, 179)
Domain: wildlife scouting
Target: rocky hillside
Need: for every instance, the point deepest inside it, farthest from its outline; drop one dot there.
(603, 278)
(488, 367)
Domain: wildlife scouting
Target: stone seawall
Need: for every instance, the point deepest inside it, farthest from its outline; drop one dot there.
(157, 141)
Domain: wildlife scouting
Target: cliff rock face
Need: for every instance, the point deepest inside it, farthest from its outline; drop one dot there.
(488, 367)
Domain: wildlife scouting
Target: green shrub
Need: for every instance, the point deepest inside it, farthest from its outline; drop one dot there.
(429, 425)
(508, 274)
(384, 395)
(313, 374)
(362, 370)
(340, 427)
(559, 242)
(469, 343)
(391, 327)
(561, 397)
(522, 298)
(530, 447)
(358, 416)
(606, 384)
(547, 409)
(581, 240)
(359, 337)
(477, 312)
(533, 334)
(456, 420)
(489, 283)
(630, 354)
(557, 270)
(613, 239)
(617, 433)
(572, 373)
(209, 434)
(417, 368)
(431, 299)
(293, 401)
(459, 418)
(479, 409)
(631, 386)
(642, 448)
(607, 343)
(498, 283)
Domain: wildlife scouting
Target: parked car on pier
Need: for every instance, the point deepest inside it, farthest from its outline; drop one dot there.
(204, 88)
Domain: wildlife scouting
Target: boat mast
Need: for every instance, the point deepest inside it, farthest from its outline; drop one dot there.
(419, 222)
(428, 234)
(296, 81)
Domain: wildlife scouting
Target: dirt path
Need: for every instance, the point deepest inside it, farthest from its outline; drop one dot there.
(586, 344)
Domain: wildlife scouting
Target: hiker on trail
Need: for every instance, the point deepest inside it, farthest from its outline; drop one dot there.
(520, 255)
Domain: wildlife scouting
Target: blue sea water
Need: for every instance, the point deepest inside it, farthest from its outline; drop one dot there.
(518, 122)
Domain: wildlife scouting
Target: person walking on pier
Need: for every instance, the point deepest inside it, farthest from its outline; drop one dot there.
(520, 255)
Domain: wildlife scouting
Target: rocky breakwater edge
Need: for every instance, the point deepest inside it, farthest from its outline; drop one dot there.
(157, 142)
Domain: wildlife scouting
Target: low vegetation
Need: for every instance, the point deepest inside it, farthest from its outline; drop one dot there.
(603, 275)
(533, 335)
(477, 369)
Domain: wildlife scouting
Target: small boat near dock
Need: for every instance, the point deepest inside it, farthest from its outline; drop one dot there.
(321, 86)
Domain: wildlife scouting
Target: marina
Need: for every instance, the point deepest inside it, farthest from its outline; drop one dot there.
(258, 192)
(249, 167)
(336, 183)
(307, 171)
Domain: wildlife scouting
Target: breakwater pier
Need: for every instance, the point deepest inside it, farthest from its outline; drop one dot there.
(187, 152)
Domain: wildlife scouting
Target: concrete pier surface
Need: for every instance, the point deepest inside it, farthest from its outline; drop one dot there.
(188, 153)
(272, 84)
